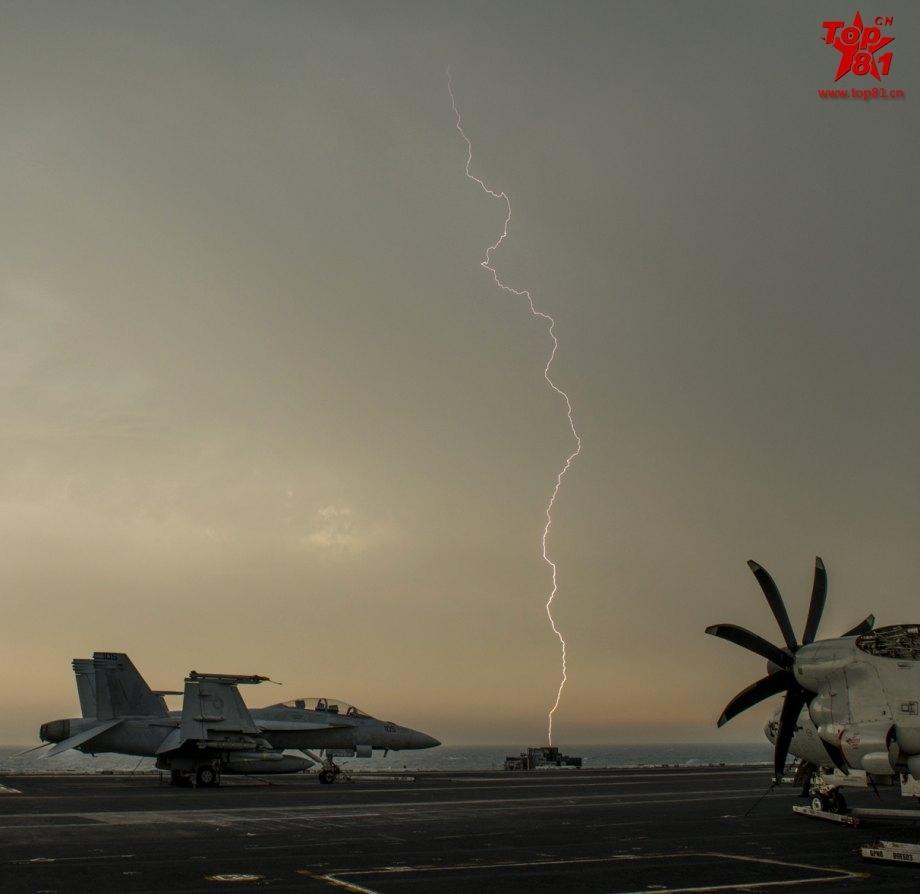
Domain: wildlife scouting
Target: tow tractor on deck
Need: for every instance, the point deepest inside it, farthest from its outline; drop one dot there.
(540, 758)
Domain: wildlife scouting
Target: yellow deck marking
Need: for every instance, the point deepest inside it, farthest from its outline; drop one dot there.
(335, 882)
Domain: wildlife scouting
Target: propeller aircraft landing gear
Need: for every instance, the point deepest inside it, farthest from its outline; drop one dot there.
(828, 801)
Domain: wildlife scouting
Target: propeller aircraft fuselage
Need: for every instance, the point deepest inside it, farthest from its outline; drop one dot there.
(865, 704)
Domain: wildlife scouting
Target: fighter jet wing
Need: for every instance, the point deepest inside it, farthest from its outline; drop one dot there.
(81, 738)
(214, 715)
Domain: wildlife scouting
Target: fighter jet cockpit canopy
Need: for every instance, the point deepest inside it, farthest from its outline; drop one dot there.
(327, 705)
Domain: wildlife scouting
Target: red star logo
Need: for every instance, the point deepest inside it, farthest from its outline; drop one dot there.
(867, 42)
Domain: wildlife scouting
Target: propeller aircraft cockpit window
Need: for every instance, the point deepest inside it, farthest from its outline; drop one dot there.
(900, 641)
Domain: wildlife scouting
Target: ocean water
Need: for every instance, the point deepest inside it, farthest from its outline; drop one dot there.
(446, 757)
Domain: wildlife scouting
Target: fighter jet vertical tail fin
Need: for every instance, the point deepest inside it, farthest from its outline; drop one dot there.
(120, 689)
(86, 685)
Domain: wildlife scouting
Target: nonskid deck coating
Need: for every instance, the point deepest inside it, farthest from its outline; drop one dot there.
(616, 832)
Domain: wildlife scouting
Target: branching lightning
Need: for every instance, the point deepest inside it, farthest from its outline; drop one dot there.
(551, 329)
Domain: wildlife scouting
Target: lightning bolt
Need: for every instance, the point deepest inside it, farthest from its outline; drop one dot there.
(486, 263)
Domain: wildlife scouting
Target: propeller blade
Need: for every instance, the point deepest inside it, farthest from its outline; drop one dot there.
(792, 707)
(771, 591)
(862, 627)
(747, 640)
(816, 607)
(755, 693)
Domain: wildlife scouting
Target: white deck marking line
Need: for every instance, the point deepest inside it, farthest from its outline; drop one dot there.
(831, 873)
(622, 803)
(228, 814)
(484, 787)
(73, 859)
(584, 781)
(748, 886)
(565, 777)
(503, 787)
(19, 826)
(500, 787)
(4, 790)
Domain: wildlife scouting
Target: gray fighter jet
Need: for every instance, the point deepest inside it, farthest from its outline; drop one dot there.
(215, 732)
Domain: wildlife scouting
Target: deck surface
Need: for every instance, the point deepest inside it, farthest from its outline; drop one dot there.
(609, 832)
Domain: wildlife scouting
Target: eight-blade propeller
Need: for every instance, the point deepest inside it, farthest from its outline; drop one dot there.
(780, 678)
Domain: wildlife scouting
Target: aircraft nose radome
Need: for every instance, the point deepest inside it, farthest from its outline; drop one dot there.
(422, 740)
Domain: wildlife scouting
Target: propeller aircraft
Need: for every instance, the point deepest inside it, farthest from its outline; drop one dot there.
(850, 709)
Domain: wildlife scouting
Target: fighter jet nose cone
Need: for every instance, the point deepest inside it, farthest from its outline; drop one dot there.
(413, 739)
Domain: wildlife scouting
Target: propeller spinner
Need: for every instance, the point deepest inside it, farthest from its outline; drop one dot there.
(781, 678)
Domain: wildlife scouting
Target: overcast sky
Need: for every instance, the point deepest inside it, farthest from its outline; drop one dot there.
(261, 411)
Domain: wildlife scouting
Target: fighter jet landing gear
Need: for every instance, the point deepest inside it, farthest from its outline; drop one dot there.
(329, 771)
(328, 774)
(203, 776)
(208, 776)
(180, 779)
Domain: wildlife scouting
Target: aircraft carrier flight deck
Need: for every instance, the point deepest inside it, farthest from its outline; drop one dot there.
(611, 831)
